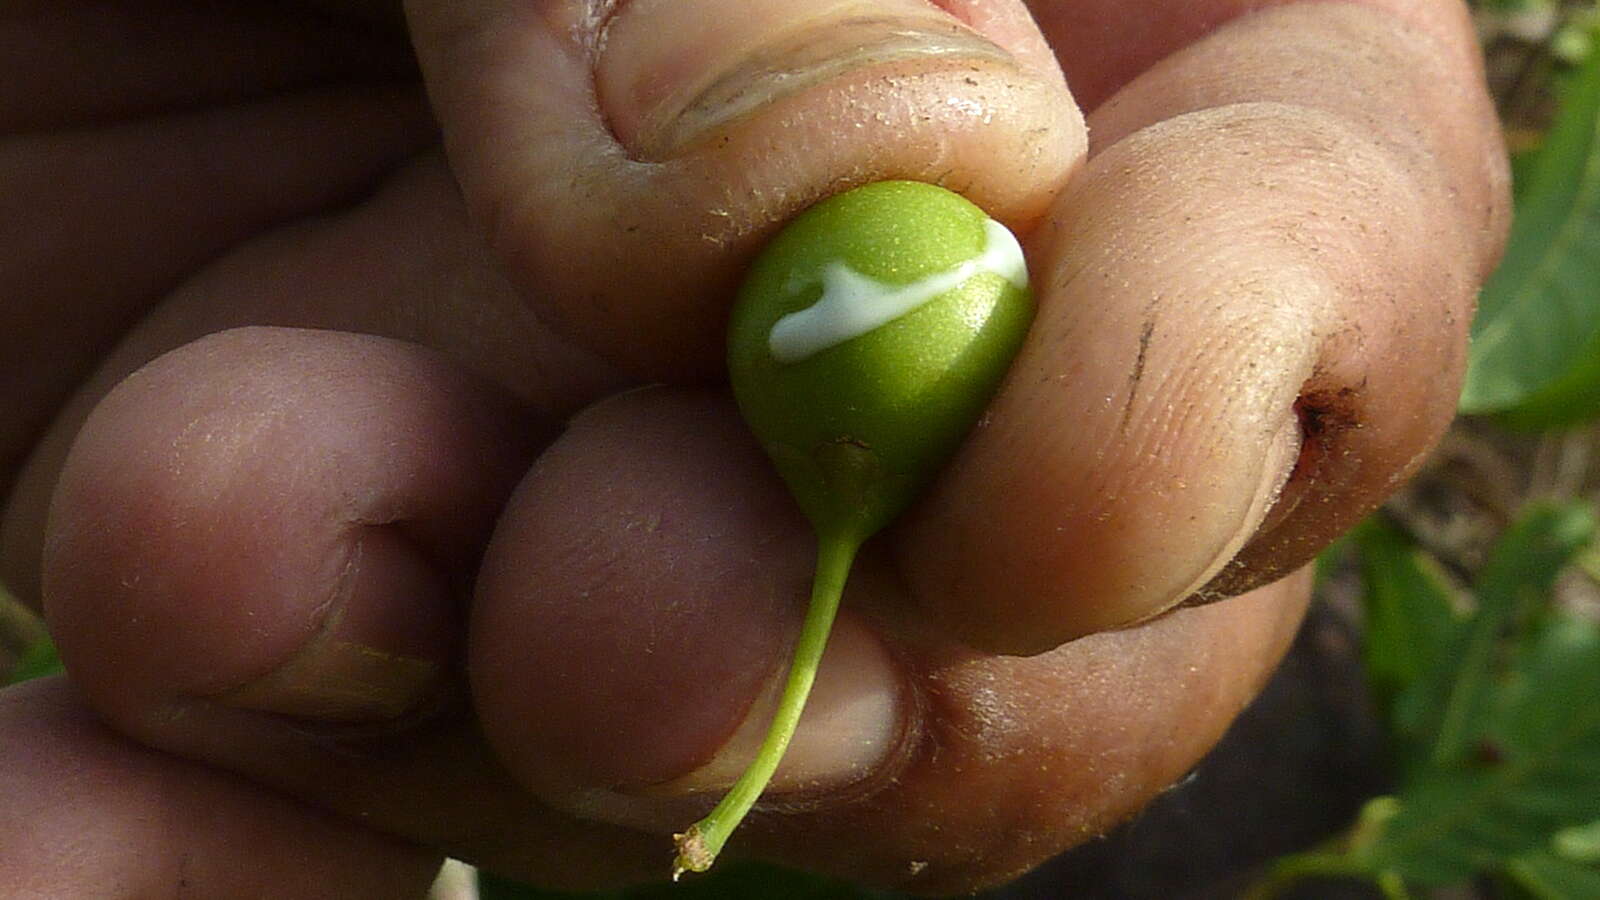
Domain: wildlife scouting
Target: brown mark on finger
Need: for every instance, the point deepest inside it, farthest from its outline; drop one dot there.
(1137, 374)
(1325, 415)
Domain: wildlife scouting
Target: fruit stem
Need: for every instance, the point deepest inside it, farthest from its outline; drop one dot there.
(699, 845)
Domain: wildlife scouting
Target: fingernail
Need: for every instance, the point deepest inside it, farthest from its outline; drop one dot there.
(339, 681)
(852, 723)
(1277, 463)
(671, 72)
(378, 652)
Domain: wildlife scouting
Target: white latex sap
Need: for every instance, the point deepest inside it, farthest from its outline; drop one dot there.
(853, 304)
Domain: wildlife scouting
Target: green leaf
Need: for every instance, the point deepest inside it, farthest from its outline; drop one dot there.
(1546, 876)
(1535, 354)
(37, 661)
(1505, 6)
(1579, 844)
(1537, 770)
(1410, 623)
(1445, 707)
(731, 881)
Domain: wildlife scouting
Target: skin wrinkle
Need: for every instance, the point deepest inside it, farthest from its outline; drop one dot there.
(76, 172)
(597, 23)
(394, 290)
(789, 64)
(1232, 66)
(1222, 338)
(1093, 756)
(163, 820)
(1105, 44)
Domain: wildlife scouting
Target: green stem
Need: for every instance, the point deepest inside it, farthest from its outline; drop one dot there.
(1393, 886)
(1290, 870)
(1588, 560)
(699, 845)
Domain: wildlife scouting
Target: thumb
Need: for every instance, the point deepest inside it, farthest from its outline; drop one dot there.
(627, 159)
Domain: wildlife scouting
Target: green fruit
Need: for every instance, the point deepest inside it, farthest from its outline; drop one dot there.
(858, 428)
(865, 342)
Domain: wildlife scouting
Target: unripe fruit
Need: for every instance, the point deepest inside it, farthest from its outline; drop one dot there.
(857, 425)
(866, 340)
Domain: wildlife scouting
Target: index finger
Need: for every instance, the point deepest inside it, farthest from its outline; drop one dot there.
(1252, 322)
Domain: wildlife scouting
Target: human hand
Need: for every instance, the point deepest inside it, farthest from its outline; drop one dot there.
(373, 567)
